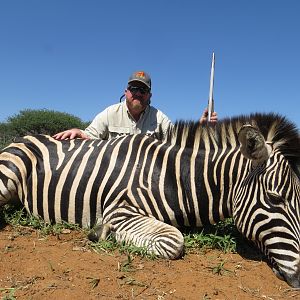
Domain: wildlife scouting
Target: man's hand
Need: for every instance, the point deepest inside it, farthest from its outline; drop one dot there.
(70, 135)
(213, 118)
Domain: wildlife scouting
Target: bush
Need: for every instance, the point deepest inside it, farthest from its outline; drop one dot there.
(5, 135)
(37, 121)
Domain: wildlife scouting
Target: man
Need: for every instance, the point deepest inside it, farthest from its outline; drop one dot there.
(134, 115)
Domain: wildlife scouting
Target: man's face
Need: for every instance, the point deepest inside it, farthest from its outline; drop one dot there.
(137, 96)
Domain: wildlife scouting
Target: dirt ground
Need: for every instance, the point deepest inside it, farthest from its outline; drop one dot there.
(65, 267)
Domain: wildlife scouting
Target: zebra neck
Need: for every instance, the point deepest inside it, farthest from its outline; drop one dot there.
(206, 183)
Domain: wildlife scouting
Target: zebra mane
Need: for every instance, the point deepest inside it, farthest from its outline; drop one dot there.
(276, 129)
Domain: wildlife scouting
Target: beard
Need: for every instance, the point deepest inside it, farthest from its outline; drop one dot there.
(138, 105)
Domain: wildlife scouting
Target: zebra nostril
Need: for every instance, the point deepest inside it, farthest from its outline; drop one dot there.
(294, 281)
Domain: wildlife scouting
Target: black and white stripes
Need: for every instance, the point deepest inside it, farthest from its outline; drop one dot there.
(142, 189)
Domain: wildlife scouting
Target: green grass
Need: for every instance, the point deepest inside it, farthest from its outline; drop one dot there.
(8, 293)
(110, 244)
(19, 217)
(220, 269)
(222, 236)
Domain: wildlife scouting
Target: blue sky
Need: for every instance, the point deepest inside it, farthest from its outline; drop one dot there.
(75, 56)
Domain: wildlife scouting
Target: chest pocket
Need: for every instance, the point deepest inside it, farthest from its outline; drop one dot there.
(116, 131)
(154, 130)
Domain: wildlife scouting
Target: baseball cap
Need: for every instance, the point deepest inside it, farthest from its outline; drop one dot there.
(142, 77)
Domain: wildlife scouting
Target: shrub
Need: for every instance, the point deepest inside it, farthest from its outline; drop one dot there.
(37, 121)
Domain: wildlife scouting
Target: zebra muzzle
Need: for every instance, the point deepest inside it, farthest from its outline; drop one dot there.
(99, 232)
(293, 279)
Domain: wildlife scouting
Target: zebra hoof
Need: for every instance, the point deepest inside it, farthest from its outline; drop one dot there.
(99, 232)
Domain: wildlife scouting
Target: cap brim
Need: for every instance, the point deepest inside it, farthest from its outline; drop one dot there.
(140, 81)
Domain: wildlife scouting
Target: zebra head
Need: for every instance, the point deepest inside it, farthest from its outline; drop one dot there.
(267, 204)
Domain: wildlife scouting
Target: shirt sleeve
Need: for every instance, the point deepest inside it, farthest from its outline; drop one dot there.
(98, 129)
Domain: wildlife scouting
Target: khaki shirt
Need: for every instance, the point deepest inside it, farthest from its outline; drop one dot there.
(116, 120)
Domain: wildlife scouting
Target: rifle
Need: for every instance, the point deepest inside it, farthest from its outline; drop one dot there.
(211, 88)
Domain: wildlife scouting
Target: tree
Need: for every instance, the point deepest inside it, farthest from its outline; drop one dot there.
(41, 121)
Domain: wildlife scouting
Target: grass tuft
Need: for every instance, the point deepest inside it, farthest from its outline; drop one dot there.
(20, 217)
(110, 244)
(222, 236)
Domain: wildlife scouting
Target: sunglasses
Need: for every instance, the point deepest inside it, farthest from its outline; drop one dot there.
(135, 89)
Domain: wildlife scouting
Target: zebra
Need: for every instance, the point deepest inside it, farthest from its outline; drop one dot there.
(144, 190)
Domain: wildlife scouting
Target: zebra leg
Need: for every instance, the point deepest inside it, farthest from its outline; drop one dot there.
(131, 225)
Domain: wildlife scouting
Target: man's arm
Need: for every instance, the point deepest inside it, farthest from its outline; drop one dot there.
(98, 129)
(71, 134)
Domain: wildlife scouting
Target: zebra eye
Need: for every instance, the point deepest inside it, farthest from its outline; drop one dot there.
(276, 199)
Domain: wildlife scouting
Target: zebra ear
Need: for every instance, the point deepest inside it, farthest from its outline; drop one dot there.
(253, 145)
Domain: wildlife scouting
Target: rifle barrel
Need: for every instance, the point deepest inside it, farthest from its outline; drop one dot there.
(211, 88)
